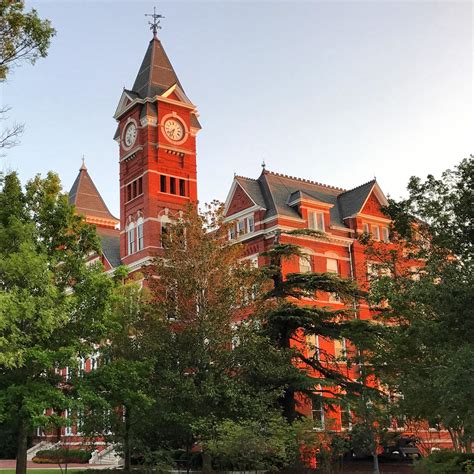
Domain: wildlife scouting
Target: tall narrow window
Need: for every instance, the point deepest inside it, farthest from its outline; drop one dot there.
(173, 185)
(340, 349)
(305, 264)
(134, 189)
(366, 229)
(376, 232)
(385, 234)
(131, 238)
(182, 187)
(140, 234)
(129, 192)
(140, 186)
(164, 234)
(312, 343)
(250, 224)
(232, 232)
(346, 416)
(68, 428)
(240, 227)
(163, 188)
(317, 412)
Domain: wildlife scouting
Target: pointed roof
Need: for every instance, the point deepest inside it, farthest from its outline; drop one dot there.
(88, 201)
(156, 73)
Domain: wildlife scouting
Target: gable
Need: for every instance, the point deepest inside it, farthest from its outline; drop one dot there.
(373, 206)
(239, 201)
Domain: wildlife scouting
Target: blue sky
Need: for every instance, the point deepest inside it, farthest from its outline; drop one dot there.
(334, 91)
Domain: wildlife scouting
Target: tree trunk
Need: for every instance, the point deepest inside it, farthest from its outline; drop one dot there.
(206, 462)
(22, 447)
(376, 463)
(127, 451)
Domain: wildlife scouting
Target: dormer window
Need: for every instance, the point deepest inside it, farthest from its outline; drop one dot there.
(316, 220)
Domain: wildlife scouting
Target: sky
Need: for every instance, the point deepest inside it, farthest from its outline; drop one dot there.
(336, 92)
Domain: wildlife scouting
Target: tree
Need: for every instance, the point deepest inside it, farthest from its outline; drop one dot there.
(24, 37)
(52, 306)
(423, 287)
(114, 398)
(290, 314)
(213, 365)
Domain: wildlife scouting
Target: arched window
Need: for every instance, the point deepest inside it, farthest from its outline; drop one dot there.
(140, 234)
(131, 238)
(164, 221)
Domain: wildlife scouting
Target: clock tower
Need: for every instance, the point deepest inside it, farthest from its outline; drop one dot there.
(156, 133)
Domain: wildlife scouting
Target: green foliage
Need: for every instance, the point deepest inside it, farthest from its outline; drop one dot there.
(427, 277)
(446, 462)
(24, 36)
(53, 307)
(62, 456)
(290, 313)
(254, 444)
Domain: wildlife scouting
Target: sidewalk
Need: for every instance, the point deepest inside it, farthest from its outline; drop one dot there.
(11, 464)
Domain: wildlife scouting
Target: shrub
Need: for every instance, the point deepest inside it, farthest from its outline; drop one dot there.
(56, 456)
(446, 462)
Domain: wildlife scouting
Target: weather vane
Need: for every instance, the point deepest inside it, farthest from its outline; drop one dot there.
(155, 24)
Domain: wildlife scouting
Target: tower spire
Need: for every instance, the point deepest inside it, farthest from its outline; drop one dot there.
(155, 23)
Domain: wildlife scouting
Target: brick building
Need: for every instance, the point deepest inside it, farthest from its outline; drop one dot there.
(156, 135)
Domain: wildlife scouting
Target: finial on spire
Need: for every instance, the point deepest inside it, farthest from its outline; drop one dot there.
(155, 24)
(263, 165)
(83, 167)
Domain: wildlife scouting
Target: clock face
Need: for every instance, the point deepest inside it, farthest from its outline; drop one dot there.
(174, 129)
(130, 134)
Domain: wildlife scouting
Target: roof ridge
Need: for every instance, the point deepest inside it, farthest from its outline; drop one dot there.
(360, 186)
(303, 180)
(244, 177)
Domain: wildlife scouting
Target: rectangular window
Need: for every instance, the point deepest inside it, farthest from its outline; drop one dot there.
(129, 192)
(134, 189)
(317, 412)
(140, 186)
(250, 224)
(131, 240)
(240, 227)
(182, 187)
(340, 350)
(140, 236)
(385, 234)
(305, 264)
(164, 233)
(316, 220)
(173, 185)
(312, 343)
(232, 232)
(366, 229)
(346, 416)
(94, 361)
(376, 232)
(68, 428)
(331, 266)
(163, 183)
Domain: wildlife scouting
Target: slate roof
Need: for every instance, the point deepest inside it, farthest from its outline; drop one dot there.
(274, 192)
(87, 199)
(110, 241)
(156, 73)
